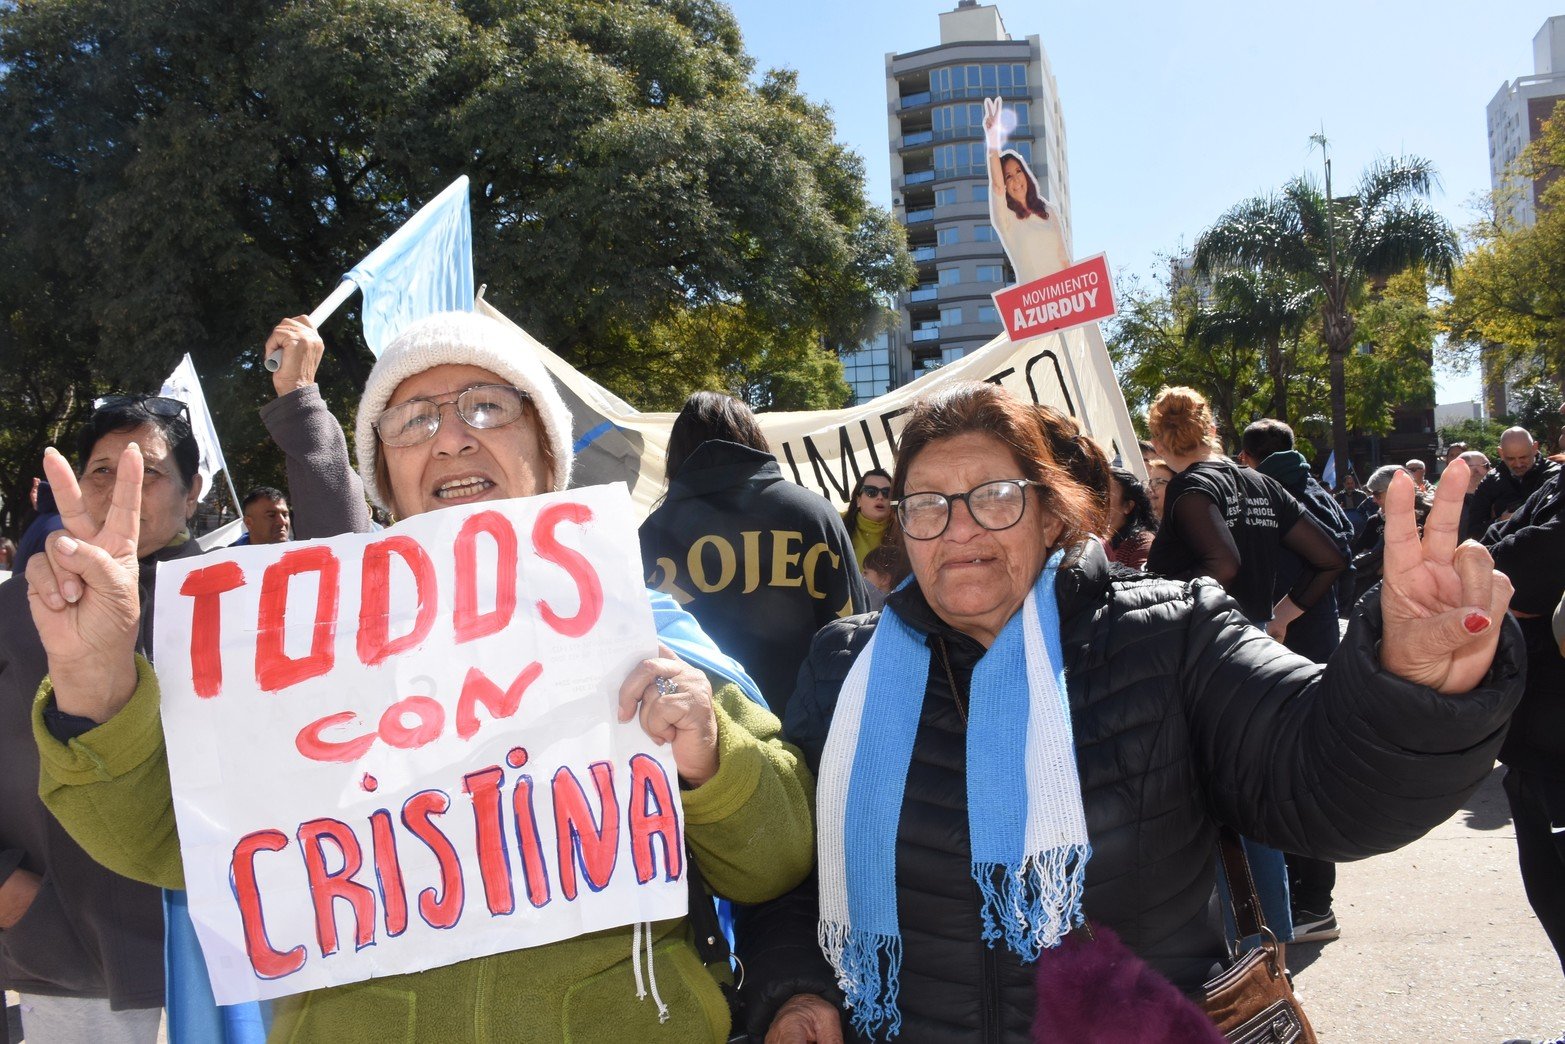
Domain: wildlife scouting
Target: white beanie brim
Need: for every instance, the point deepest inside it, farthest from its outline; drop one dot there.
(461, 339)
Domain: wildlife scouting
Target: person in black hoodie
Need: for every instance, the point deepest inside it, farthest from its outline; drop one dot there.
(761, 562)
(1268, 448)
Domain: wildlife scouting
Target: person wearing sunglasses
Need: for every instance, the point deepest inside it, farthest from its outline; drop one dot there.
(869, 512)
(1025, 739)
(457, 410)
(82, 944)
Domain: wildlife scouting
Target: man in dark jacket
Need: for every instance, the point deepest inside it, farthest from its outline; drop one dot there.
(1522, 470)
(1530, 549)
(1268, 448)
(762, 563)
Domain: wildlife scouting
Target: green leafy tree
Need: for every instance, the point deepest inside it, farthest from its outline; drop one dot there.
(179, 177)
(1339, 246)
(1508, 295)
(1261, 311)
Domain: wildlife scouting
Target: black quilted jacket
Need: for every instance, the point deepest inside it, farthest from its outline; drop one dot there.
(1184, 717)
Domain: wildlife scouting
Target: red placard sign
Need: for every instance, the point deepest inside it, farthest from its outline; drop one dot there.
(1070, 297)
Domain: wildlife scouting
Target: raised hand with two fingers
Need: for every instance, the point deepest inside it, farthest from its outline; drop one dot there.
(84, 591)
(1441, 603)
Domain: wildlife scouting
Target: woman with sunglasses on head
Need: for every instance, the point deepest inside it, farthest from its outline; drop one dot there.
(869, 512)
(82, 944)
(457, 410)
(1024, 739)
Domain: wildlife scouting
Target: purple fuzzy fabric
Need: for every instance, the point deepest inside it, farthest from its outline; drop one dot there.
(1096, 991)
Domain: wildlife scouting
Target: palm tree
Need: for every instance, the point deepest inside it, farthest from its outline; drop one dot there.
(1339, 247)
(1258, 309)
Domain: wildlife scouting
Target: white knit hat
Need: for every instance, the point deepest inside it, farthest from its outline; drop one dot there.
(461, 338)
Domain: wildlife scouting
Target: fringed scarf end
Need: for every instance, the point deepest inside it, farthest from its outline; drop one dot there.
(1033, 906)
(869, 969)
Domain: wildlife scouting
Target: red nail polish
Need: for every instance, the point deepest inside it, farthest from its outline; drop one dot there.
(1476, 623)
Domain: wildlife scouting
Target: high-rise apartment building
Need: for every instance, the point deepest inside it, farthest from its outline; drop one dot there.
(940, 178)
(1516, 115)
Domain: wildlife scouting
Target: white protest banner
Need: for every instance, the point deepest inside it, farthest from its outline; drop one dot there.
(399, 750)
(1082, 293)
(827, 450)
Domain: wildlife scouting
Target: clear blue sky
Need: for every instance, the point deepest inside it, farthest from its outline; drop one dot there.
(1175, 111)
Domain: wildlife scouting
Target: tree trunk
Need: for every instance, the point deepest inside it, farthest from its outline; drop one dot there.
(1279, 380)
(1339, 410)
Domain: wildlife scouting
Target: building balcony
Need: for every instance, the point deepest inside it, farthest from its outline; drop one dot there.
(913, 217)
(975, 131)
(927, 334)
(918, 177)
(913, 101)
(964, 93)
(922, 254)
(917, 138)
(923, 292)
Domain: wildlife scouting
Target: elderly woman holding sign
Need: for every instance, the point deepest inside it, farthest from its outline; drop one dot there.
(457, 411)
(1025, 740)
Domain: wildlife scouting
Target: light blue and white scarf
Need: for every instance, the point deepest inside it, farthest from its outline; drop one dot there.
(1029, 833)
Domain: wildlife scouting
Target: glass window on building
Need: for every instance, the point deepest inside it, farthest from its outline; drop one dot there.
(988, 314)
(981, 193)
(985, 234)
(951, 355)
(945, 197)
(950, 317)
(948, 236)
(966, 159)
(950, 276)
(989, 274)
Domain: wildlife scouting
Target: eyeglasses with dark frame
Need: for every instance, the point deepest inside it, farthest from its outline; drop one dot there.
(483, 407)
(994, 505)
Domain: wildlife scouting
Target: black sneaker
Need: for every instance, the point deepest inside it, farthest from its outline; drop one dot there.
(1311, 927)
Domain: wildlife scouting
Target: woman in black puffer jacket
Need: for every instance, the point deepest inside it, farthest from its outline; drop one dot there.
(1182, 717)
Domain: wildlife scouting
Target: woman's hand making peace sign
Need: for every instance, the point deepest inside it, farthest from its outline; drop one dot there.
(1442, 604)
(84, 591)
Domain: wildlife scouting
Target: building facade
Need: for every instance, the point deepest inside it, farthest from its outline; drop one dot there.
(1516, 114)
(1515, 117)
(940, 179)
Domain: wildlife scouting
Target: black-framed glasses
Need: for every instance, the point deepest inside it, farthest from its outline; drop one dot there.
(417, 420)
(994, 505)
(157, 405)
(875, 492)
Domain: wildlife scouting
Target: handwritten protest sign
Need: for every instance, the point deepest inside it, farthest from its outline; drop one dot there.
(1082, 293)
(398, 750)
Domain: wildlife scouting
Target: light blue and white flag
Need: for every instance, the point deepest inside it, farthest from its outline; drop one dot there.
(424, 267)
(1328, 474)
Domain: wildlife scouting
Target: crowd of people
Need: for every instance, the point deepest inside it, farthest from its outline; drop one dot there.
(1009, 698)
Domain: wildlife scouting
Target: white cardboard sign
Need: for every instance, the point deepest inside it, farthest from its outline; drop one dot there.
(394, 751)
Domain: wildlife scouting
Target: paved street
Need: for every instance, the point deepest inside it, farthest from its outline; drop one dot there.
(1438, 944)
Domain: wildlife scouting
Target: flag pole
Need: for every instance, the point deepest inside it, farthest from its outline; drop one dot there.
(322, 312)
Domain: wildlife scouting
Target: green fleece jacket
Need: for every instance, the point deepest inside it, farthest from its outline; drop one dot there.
(749, 827)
